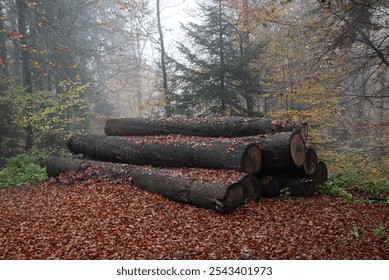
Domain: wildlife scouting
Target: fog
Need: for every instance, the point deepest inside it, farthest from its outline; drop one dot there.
(68, 66)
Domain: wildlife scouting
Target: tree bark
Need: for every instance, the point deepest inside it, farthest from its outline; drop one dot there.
(320, 175)
(280, 152)
(3, 69)
(26, 71)
(216, 154)
(302, 187)
(252, 188)
(270, 186)
(217, 127)
(3, 45)
(223, 198)
(310, 162)
(166, 93)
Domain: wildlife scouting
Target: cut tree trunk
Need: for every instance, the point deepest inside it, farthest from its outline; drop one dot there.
(57, 165)
(302, 129)
(252, 188)
(320, 175)
(217, 154)
(310, 162)
(270, 187)
(280, 152)
(221, 197)
(302, 187)
(216, 127)
(306, 170)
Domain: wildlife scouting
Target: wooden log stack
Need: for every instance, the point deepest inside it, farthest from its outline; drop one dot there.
(214, 163)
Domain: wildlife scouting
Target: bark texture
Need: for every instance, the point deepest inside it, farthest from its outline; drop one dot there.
(270, 186)
(280, 151)
(223, 198)
(320, 175)
(233, 155)
(302, 187)
(216, 127)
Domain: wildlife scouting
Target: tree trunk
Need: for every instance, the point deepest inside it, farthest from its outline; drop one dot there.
(3, 69)
(223, 198)
(280, 152)
(320, 175)
(252, 188)
(3, 45)
(310, 162)
(270, 186)
(217, 154)
(166, 93)
(217, 127)
(26, 71)
(298, 186)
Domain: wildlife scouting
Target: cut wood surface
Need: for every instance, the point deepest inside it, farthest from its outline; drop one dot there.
(252, 188)
(280, 151)
(310, 162)
(219, 154)
(186, 187)
(320, 175)
(270, 187)
(215, 127)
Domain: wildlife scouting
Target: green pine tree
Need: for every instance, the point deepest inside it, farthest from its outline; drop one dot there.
(216, 76)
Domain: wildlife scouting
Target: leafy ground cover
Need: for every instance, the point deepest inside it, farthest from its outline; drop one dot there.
(99, 219)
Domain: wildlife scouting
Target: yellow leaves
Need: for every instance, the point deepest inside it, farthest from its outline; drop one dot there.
(50, 113)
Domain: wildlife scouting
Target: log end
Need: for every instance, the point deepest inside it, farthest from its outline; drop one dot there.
(310, 162)
(251, 162)
(252, 188)
(70, 141)
(304, 132)
(297, 149)
(320, 176)
(270, 186)
(233, 199)
(108, 127)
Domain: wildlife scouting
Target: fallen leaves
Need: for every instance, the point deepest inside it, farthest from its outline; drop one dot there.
(98, 219)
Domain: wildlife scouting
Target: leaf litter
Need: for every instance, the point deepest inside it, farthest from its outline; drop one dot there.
(75, 218)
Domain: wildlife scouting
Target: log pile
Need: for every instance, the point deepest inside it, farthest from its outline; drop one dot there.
(211, 163)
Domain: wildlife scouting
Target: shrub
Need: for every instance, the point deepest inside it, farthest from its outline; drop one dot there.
(21, 170)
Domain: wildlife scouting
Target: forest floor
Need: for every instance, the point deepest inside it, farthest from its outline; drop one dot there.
(97, 219)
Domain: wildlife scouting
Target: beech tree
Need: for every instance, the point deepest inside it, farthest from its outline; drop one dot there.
(47, 44)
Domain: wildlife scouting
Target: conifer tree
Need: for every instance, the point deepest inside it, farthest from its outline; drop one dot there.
(216, 76)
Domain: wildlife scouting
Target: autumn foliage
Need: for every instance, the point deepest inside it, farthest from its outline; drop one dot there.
(73, 218)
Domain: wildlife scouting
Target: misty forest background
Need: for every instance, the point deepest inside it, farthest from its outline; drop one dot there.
(66, 66)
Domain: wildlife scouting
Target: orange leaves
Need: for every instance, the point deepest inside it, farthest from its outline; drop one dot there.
(42, 65)
(97, 219)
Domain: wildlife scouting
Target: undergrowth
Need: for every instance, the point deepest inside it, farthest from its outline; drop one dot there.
(27, 168)
(353, 174)
(353, 186)
(21, 170)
